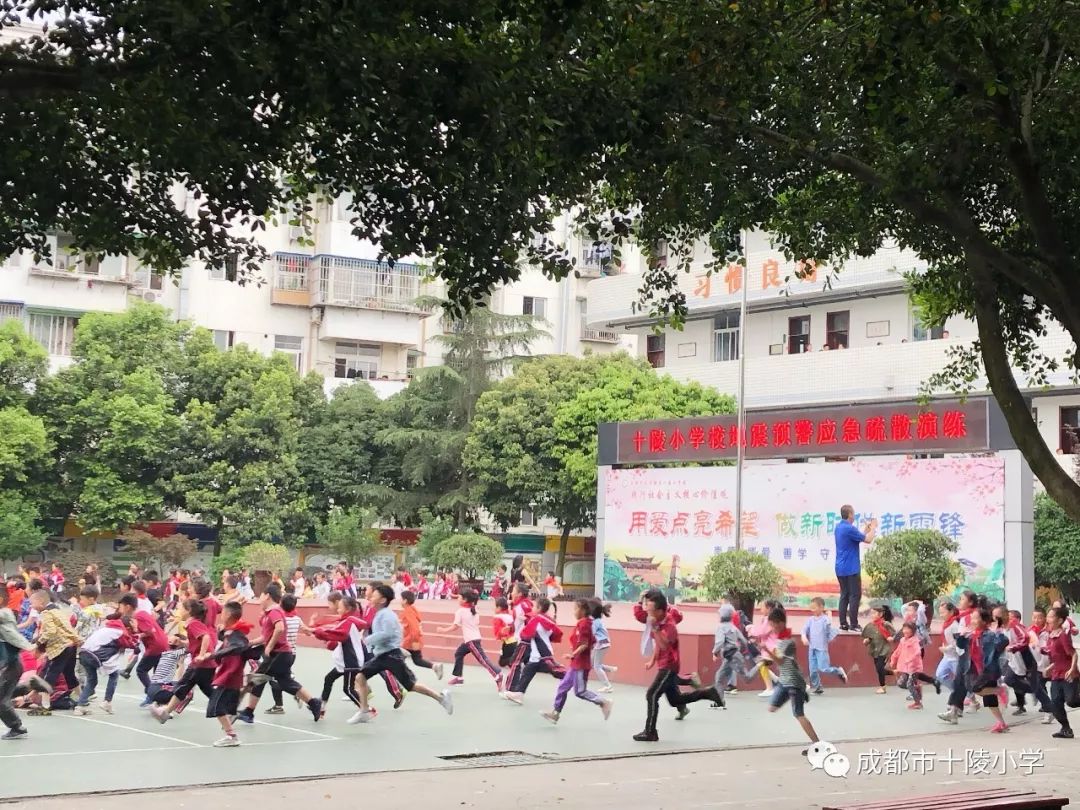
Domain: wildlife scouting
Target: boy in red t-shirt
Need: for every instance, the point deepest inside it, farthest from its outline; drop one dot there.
(231, 659)
(200, 641)
(577, 676)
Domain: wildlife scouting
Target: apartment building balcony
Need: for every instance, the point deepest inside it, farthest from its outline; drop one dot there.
(291, 279)
(599, 335)
(596, 261)
(343, 281)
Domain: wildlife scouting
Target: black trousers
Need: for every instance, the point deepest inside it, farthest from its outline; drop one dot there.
(850, 598)
(418, 659)
(63, 664)
(144, 668)
(202, 677)
(1057, 703)
(879, 667)
(528, 672)
(666, 684)
(278, 667)
(9, 679)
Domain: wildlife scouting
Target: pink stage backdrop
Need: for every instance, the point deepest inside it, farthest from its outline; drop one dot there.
(662, 524)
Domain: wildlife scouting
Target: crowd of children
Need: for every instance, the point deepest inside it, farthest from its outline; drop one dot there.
(59, 644)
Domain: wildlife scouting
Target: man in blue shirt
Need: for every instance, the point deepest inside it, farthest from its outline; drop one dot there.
(848, 565)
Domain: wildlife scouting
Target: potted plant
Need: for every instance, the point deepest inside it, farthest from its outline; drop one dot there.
(742, 577)
(472, 555)
(913, 564)
(265, 560)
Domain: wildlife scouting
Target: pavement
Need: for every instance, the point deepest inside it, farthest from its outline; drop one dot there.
(741, 757)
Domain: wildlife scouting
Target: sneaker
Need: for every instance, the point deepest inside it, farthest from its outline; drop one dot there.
(276, 710)
(106, 706)
(228, 741)
(552, 716)
(515, 697)
(765, 693)
(605, 708)
(183, 704)
(246, 716)
(719, 699)
(909, 698)
(856, 628)
(845, 627)
(346, 699)
(937, 686)
(455, 681)
(999, 727)
(19, 733)
(125, 674)
(447, 701)
(1047, 719)
(880, 690)
(608, 668)
(732, 690)
(647, 736)
(161, 714)
(361, 716)
(1064, 734)
(39, 684)
(948, 717)
(82, 711)
(400, 698)
(976, 704)
(841, 673)
(915, 706)
(146, 701)
(438, 670)
(1019, 711)
(819, 691)
(40, 711)
(683, 712)
(695, 680)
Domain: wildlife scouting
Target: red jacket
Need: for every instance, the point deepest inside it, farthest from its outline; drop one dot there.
(536, 621)
(673, 614)
(153, 638)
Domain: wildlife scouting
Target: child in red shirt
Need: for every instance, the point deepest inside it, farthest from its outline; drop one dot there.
(230, 659)
(577, 676)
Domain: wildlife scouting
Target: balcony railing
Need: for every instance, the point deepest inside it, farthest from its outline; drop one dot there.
(348, 282)
(291, 271)
(600, 335)
(596, 261)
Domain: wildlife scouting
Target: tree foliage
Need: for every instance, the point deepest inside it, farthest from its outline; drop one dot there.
(475, 555)
(1057, 541)
(913, 564)
(742, 577)
(162, 553)
(350, 534)
(433, 530)
(271, 557)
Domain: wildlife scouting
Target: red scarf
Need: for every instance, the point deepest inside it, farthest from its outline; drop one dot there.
(241, 627)
(879, 623)
(952, 618)
(976, 649)
(785, 633)
(966, 612)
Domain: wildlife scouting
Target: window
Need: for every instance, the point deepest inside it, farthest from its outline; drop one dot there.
(226, 271)
(921, 332)
(55, 332)
(528, 517)
(1070, 430)
(726, 336)
(412, 361)
(356, 360)
(146, 279)
(798, 334)
(341, 207)
(289, 344)
(537, 307)
(10, 311)
(836, 329)
(224, 339)
(654, 350)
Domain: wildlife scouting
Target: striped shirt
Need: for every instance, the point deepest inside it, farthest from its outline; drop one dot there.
(165, 671)
(292, 628)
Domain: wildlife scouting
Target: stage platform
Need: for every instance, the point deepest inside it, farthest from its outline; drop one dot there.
(695, 639)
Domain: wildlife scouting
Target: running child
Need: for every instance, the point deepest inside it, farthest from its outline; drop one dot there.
(1038, 640)
(12, 645)
(602, 644)
(468, 621)
(502, 624)
(731, 650)
(200, 640)
(413, 640)
(101, 653)
(229, 659)
(61, 645)
(292, 631)
(166, 675)
(906, 662)
(521, 607)
(537, 640)
(344, 639)
(384, 643)
(577, 676)
(818, 633)
(790, 683)
(1062, 656)
(278, 660)
(950, 654)
(984, 647)
(876, 637)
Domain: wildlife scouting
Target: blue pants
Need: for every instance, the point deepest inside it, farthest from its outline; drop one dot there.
(946, 671)
(819, 663)
(91, 665)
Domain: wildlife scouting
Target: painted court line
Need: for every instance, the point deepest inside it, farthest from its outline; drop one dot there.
(107, 751)
(130, 728)
(257, 722)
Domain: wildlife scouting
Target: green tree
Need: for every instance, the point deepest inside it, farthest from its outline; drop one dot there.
(511, 449)
(350, 534)
(270, 557)
(742, 577)
(431, 418)
(111, 416)
(1057, 538)
(239, 433)
(433, 530)
(913, 564)
(23, 362)
(478, 105)
(623, 392)
(475, 555)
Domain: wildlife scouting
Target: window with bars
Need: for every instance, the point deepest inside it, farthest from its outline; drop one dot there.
(726, 336)
(10, 311)
(55, 333)
(412, 362)
(356, 360)
(293, 346)
(528, 517)
(654, 350)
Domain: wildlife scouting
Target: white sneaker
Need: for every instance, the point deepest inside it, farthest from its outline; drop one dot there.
(949, 717)
(346, 699)
(765, 693)
(82, 711)
(362, 716)
(106, 706)
(610, 668)
(447, 701)
(1047, 719)
(514, 697)
(605, 707)
(606, 689)
(842, 674)
(228, 741)
(438, 670)
(552, 716)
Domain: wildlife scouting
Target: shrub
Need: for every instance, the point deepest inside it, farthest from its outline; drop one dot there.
(475, 555)
(743, 577)
(270, 557)
(1057, 541)
(913, 564)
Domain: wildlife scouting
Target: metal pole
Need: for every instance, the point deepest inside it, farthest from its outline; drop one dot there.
(741, 398)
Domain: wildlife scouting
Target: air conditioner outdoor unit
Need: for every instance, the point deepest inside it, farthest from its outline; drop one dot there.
(151, 296)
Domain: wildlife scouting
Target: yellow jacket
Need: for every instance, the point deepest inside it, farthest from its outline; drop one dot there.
(55, 632)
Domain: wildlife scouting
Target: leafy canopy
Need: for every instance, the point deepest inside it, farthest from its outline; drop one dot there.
(913, 564)
(350, 534)
(475, 555)
(1057, 541)
(742, 577)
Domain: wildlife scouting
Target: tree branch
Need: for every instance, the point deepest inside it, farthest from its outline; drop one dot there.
(999, 374)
